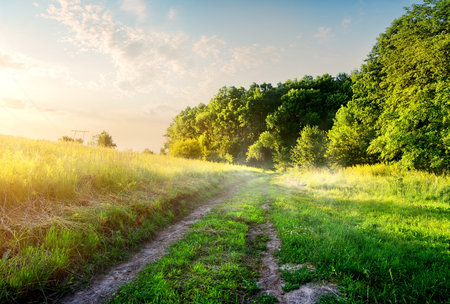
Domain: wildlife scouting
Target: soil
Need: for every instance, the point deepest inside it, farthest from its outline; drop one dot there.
(104, 286)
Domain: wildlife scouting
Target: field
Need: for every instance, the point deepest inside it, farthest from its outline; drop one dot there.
(380, 233)
(68, 211)
(377, 233)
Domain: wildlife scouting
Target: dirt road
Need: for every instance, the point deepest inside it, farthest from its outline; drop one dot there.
(105, 285)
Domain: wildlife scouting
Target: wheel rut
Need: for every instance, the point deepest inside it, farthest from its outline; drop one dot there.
(270, 276)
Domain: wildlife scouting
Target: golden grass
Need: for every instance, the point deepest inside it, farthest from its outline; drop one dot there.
(63, 204)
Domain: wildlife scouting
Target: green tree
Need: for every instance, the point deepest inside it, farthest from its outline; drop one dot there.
(104, 140)
(400, 107)
(310, 148)
(348, 140)
(189, 148)
(236, 123)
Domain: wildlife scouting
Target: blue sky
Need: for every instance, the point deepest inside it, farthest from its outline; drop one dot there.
(128, 66)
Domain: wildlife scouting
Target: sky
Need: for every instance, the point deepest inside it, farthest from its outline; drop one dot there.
(129, 66)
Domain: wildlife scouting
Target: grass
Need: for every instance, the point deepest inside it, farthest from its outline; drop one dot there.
(217, 261)
(381, 234)
(68, 211)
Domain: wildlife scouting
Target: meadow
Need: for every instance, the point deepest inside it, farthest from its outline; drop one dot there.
(68, 211)
(381, 233)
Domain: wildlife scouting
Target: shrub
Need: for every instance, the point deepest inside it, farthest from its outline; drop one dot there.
(189, 148)
(310, 148)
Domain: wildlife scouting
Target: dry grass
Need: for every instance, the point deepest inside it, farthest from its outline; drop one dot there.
(65, 206)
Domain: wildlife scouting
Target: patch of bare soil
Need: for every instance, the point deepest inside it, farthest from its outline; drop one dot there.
(310, 293)
(271, 282)
(104, 286)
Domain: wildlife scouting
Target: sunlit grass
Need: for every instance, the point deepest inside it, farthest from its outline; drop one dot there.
(379, 232)
(216, 262)
(65, 207)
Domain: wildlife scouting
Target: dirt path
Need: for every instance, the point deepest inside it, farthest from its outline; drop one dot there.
(271, 282)
(104, 286)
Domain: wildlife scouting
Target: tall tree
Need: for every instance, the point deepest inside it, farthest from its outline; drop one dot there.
(401, 96)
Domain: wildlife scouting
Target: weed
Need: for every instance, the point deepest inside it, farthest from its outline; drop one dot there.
(296, 278)
(266, 299)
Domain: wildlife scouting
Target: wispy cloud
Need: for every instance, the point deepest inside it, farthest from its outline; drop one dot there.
(159, 110)
(12, 103)
(14, 61)
(346, 22)
(323, 34)
(140, 58)
(209, 46)
(144, 59)
(172, 14)
(250, 57)
(136, 7)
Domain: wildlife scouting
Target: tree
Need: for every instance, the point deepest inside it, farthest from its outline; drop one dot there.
(310, 148)
(189, 148)
(400, 109)
(103, 140)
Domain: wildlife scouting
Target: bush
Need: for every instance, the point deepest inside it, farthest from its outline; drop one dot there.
(189, 148)
(349, 140)
(310, 148)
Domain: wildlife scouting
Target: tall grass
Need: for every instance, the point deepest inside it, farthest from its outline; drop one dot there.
(67, 210)
(381, 233)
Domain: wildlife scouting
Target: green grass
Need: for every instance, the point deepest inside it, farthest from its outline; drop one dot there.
(379, 243)
(69, 211)
(294, 279)
(381, 234)
(216, 262)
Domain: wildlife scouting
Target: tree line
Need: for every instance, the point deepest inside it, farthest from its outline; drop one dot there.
(396, 108)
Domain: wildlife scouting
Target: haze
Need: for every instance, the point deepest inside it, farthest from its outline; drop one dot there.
(129, 66)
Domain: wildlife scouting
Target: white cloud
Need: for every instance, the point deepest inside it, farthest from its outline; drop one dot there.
(159, 110)
(140, 58)
(209, 46)
(144, 59)
(323, 34)
(12, 103)
(172, 14)
(250, 57)
(36, 4)
(14, 63)
(346, 22)
(136, 7)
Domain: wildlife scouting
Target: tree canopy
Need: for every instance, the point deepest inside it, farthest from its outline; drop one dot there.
(104, 140)
(396, 108)
(400, 110)
(237, 123)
